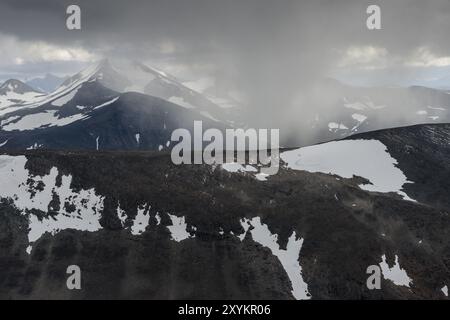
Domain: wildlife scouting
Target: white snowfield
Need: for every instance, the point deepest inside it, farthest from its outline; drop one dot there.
(396, 274)
(347, 158)
(14, 185)
(88, 206)
(13, 98)
(288, 258)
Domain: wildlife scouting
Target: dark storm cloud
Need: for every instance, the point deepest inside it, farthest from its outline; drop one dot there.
(238, 24)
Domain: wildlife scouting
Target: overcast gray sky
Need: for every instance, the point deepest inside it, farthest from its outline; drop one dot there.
(255, 45)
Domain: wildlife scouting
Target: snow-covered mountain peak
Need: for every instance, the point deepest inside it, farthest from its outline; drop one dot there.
(14, 92)
(101, 71)
(16, 86)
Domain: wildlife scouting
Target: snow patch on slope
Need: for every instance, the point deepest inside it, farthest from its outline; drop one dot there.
(178, 229)
(288, 258)
(236, 167)
(396, 274)
(140, 223)
(43, 119)
(20, 186)
(13, 98)
(347, 158)
(65, 99)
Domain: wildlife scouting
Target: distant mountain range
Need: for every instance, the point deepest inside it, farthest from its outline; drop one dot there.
(47, 83)
(15, 94)
(90, 106)
(350, 110)
(97, 109)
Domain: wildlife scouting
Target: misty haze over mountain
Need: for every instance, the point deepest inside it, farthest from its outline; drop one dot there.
(275, 57)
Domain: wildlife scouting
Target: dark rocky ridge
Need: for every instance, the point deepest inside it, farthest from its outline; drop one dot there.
(340, 240)
(423, 154)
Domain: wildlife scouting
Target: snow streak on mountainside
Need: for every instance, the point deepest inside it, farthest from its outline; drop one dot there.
(288, 258)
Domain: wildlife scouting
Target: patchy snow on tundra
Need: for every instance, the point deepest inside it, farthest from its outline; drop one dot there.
(29, 192)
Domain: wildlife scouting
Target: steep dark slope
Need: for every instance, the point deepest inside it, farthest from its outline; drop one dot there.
(423, 154)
